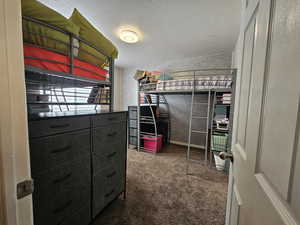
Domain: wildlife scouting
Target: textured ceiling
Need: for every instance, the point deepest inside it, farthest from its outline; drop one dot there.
(170, 29)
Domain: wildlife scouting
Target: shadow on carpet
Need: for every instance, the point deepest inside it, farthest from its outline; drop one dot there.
(160, 193)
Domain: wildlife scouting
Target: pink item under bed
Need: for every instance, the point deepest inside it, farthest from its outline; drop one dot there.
(153, 144)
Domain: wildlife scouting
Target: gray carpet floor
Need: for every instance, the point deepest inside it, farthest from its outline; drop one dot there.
(160, 193)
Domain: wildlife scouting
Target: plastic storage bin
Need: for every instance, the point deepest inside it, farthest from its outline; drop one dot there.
(153, 144)
(219, 144)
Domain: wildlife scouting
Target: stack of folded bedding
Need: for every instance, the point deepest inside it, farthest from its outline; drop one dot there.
(49, 49)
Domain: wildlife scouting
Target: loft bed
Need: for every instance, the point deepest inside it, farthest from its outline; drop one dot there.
(69, 65)
(217, 85)
(189, 81)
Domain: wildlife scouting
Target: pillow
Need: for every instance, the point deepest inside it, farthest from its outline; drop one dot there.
(37, 10)
(90, 34)
(165, 77)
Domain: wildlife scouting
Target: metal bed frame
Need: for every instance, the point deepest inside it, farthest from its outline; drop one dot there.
(210, 104)
(47, 83)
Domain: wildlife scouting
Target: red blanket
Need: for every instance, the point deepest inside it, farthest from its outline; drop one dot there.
(94, 72)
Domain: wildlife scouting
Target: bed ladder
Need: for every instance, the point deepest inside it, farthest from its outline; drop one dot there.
(193, 131)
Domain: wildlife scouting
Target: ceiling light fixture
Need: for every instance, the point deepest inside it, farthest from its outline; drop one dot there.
(129, 36)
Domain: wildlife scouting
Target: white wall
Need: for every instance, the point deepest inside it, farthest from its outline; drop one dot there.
(118, 88)
(217, 60)
(129, 95)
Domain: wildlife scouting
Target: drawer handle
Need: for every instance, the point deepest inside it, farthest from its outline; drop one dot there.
(58, 180)
(61, 149)
(109, 193)
(111, 155)
(111, 174)
(112, 134)
(63, 207)
(59, 126)
(112, 118)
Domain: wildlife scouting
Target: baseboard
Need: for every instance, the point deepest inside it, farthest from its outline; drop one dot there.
(186, 144)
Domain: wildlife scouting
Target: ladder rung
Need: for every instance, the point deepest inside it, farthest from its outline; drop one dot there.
(147, 134)
(198, 131)
(147, 122)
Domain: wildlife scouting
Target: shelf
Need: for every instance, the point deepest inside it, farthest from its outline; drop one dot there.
(49, 78)
(65, 103)
(199, 132)
(145, 104)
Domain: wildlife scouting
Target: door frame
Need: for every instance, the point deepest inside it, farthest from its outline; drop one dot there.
(14, 147)
(237, 61)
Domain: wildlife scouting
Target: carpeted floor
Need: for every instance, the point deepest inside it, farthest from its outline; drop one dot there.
(160, 193)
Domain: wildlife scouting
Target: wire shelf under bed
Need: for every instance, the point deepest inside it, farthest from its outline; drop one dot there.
(56, 79)
(58, 92)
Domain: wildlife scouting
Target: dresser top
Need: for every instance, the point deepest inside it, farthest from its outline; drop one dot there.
(49, 115)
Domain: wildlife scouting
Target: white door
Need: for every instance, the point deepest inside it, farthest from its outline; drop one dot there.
(265, 183)
(14, 150)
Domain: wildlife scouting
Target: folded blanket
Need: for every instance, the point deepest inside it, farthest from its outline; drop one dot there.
(37, 34)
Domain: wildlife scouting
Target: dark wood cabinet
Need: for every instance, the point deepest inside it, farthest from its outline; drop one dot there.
(78, 165)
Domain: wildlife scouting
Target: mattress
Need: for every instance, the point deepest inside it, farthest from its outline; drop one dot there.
(209, 82)
(50, 60)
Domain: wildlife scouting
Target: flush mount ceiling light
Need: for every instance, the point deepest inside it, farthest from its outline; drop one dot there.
(129, 36)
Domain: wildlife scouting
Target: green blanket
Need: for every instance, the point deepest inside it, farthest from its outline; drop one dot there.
(37, 34)
(90, 34)
(47, 37)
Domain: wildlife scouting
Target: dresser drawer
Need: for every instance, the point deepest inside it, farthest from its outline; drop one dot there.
(109, 143)
(133, 132)
(49, 152)
(132, 115)
(61, 192)
(132, 140)
(57, 125)
(115, 184)
(100, 187)
(106, 188)
(109, 118)
(133, 124)
(119, 166)
(82, 217)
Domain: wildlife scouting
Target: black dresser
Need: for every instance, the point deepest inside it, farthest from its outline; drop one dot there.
(78, 163)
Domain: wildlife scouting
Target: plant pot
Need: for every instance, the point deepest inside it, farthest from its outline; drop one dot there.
(220, 163)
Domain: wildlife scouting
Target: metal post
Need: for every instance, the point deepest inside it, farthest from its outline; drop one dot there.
(211, 126)
(190, 123)
(57, 100)
(138, 118)
(71, 54)
(207, 125)
(153, 116)
(111, 90)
